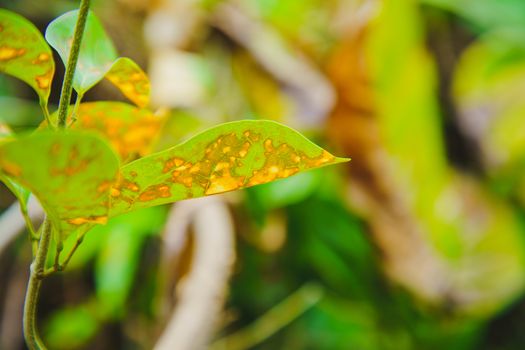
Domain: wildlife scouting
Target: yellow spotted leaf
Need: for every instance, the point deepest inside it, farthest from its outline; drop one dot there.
(128, 129)
(131, 80)
(225, 158)
(71, 174)
(25, 54)
(21, 193)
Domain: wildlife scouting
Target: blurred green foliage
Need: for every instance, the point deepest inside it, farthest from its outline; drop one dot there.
(419, 244)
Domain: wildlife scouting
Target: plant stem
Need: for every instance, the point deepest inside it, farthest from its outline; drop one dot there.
(38, 266)
(67, 86)
(74, 115)
(35, 280)
(45, 111)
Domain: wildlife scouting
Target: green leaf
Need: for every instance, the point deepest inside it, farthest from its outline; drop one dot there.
(21, 193)
(131, 80)
(97, 52)
(225, 158)
(69, 172)
(128, 129)
(24, 53)
(72, 327)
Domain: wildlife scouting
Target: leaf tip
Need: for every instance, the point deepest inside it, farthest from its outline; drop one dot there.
(338, 160)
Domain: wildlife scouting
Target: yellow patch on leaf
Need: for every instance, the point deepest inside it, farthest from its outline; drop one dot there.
(131, 80)
(88, 220)
(8, 53)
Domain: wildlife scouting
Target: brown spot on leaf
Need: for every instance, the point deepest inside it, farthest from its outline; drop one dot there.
(71, 169)
(41, 58)
(171, 163)
(44, 81)
(90, 219)
(104, 186)
(8, 53)
(55, 149)
(154, 192)
(11, 169)
(132, 186)
(224, 183)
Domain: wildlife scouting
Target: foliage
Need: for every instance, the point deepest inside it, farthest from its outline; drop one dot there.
(417, 245)
(76, 174)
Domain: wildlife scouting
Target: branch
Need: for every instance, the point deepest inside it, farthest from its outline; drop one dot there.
(67, 86)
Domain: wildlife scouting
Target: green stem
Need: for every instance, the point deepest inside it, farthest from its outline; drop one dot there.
(29, 224)
(35, 281)
(45, 111)
(57, 266)
(38, 266)
(33, 236)
(67, 86)
(74, 115)
(273, 320)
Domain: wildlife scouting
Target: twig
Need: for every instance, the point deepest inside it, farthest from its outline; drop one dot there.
(200, 297)
(35, 280)
(67, 86)
(12, 222)
(268, 324)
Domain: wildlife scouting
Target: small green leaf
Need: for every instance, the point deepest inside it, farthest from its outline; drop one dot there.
(97, 52)
(225, 158)
(24, 53)
(69, 172)
(128, 129)
(131, 80)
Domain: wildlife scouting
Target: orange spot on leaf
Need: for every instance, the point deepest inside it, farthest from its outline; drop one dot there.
(44, 81)
(41, 58)
(89, 219)
(11, 168)
(223, 184)
(8, 53)
(154, 192)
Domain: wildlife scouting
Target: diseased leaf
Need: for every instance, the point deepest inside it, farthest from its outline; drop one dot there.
(24, 53)
(21, 193)
(97, 52)
(128, 129)
(131, 80)
(69, 172)
(225, 158)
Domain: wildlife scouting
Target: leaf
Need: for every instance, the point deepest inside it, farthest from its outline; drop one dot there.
(24, 53)
(225, 158)
(69, 172)
(5, 132)
(119, 257)
(97, 52)
(21, 193)
(131, 80)
(128, 129)
(72, 327)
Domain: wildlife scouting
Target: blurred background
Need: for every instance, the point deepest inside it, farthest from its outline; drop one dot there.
(417, 243)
